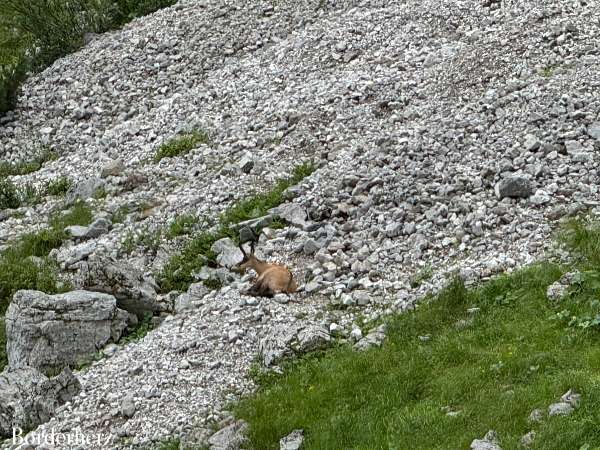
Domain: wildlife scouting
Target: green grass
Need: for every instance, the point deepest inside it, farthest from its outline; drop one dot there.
(59, 186)
(171, 444)
(10, 197)
(18, 267)
(421, 276)
(141, 330)
(179, 271)
(517, 353)
(181, 225)
(181, 144)
(120, 214)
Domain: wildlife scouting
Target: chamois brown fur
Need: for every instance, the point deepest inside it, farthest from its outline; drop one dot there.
(272, 278)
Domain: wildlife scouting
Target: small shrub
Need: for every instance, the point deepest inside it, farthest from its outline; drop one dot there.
(9, 197)
(181, 144)
(79, 214)
(213, 283)
(60, 186)
(31, 195)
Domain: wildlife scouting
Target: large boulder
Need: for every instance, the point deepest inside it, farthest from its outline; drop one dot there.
(49, 332)
(291, 213)
(228, 253)
(135, 292)
(28, 398)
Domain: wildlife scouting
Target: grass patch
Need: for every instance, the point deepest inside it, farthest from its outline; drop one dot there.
(518, 352)
(12, 197)
(100, 193)
(171, 444)
(141, 330)
(24, 265)
(181, 225)
(181, 144)
(179, 271)
(9, 196)
(421, 276)
(59, 186)
(120, 214)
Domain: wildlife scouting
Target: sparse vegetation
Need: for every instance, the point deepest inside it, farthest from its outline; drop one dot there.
(120, 214)
(59, 186)
(100, 193)
(23, 265)
(26, 167)
(490, 366)
(171, 444)
(181, 144)
(12, 197)
(548, 71)
(213, 283)
(3, 359)
(423, 275)
(181, 225)
(179, 271)
(149, 239)
(9, 197)
(140, 331)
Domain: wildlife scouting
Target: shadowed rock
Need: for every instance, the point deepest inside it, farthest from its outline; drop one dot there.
(28, 398)
(134, 291)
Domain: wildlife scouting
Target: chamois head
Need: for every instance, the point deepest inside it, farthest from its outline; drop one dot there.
(249, 260)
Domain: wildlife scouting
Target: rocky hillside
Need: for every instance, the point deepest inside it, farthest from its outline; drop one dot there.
(449, 136)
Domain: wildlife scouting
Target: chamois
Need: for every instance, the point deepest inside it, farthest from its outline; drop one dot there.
(272, 278)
